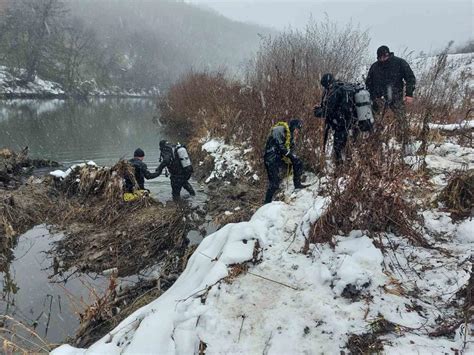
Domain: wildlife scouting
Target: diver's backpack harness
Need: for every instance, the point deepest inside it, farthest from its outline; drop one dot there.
(179, 153)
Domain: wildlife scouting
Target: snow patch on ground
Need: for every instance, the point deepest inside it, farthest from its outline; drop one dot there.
(62, 174)
(229, 161)
(453, 126)
(446, 157)
(465, 232)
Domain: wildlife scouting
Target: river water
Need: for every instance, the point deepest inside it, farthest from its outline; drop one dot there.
(32, 298)
(102, 130)
(70, 132)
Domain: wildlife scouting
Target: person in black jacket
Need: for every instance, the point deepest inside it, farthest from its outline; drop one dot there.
(141, 171)
(279, 154)
(179, 176)
(390, 78)
(337, 109)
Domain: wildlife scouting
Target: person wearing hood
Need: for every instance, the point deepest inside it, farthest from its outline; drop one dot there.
(279, 154)
(391, 79)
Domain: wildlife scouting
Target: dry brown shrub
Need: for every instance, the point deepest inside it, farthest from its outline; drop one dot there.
(21, 209)
(368, 194)
(281, 83)
(458, 193)
(199, 103)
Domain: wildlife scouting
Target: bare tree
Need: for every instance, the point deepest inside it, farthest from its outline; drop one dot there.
(75, 50)
(29, 28)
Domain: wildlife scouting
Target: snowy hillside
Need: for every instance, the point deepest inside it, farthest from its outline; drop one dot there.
(12, 86)
(248, 289)
(458, 65)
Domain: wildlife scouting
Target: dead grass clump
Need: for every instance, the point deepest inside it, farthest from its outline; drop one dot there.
(235, 271)
(136, 240)
(92, 180)
(369, 343)
(361, 344)
(458, 194)
(100, 310)
(18, 338)
(368, 195)
(95, 194)
(23, 208)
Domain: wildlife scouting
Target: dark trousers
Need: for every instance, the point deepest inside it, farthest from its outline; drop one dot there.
(340, 141)
(403, 132)
(397, 106)
(274, 172)
(179, 182)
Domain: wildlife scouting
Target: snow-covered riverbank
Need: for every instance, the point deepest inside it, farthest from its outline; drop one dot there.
(13, 87)
(249, 289)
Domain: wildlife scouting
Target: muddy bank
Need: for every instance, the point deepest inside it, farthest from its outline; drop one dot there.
(233, 203)
(233, 196)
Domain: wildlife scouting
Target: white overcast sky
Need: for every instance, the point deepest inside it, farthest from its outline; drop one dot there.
(418, 25)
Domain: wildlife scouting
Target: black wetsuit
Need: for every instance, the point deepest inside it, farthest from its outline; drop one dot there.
(141, 173)
(339, 116)
(179, 176)
(275, 150)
